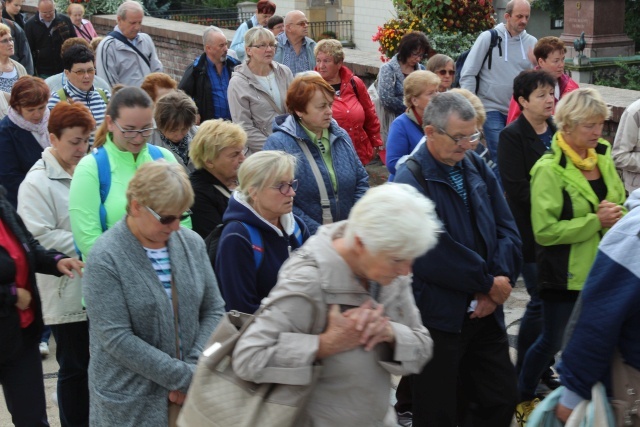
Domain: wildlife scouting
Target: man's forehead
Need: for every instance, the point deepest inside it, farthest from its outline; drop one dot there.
(521, 9)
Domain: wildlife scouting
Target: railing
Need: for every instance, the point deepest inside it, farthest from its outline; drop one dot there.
(228, 18)
(341, 30)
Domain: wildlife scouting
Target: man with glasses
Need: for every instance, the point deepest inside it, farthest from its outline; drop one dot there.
(80, 71)
(295, 49)
(460, 286)
(46, 31)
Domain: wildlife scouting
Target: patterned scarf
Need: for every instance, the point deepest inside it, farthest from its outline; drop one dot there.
(181, 148)
(40, 128)
(586, 164)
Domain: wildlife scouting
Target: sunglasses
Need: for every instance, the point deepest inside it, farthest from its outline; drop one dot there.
(444, 72)
(169, 219)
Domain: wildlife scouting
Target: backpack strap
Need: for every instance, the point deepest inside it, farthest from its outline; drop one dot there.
(104, 178)
(102, 95)
(256, 242)
(249, 24)
(62, 94)
(154, 151)
(297, 232)
(416, 171)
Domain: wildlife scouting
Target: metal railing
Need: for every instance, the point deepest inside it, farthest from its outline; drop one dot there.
(228, 18)
(341, 30)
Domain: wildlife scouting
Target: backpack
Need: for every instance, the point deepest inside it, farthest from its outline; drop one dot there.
(249, 24)
(496, 40)
(62, 94)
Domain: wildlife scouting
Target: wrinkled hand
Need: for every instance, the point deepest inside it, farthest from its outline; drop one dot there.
(373, 323)
(176, 396)
(67, 265)
(24, 298)
(609, 213)
(340, 335)
(500, 290)
(563, 413)
(485, 306)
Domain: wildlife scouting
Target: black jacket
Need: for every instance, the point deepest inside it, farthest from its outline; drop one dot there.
(209, 204)
(40, 260)
(19, 18)
(46, 42)
(519, 148)
(22, 52)
(195, 83)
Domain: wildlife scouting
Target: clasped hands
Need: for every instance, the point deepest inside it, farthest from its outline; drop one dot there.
(487, 303)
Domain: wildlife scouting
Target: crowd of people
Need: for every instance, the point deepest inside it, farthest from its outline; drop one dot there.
(135, 210)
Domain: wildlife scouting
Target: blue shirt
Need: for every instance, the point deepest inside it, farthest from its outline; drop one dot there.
(298, 63)
(219, 85)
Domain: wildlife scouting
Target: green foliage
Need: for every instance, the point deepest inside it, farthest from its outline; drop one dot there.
(555, 8)
(632, 20)
(626, 76)
(451, 45)
(109, 7)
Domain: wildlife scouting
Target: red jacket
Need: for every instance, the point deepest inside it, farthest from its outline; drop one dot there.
(356, 114)
(566, 83)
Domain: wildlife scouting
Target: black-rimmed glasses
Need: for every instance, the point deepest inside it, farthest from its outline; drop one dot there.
(130, 134)
(285, 186)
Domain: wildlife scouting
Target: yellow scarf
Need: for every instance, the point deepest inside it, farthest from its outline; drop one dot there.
(585, 164)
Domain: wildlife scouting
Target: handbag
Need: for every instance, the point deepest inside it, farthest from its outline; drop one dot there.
(625, 382)
(384, 116)
(219, 398)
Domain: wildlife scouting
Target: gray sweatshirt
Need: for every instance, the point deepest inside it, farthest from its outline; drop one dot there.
(496, 85)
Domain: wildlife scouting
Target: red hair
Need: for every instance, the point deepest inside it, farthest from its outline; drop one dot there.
(67, 115)
(157, 80)
(302, 90)
(29, 91)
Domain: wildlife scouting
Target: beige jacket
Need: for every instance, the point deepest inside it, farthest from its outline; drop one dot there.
(281, 345)
(252, 107)
(626, 147)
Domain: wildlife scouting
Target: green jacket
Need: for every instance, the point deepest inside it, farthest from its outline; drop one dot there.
(563, 215)
(84, 195)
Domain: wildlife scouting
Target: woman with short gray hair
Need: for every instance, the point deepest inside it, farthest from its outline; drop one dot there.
(260, 231)
(153, 301)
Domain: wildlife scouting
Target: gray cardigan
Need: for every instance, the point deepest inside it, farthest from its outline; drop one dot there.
(133, 365)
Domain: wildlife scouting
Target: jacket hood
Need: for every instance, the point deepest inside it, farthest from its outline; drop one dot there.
(240, 210)
(634, 200)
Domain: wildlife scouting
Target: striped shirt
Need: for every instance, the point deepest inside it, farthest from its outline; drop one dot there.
(456, 177)
(160, 260)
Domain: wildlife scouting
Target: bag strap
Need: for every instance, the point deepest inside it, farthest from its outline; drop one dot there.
(104, 178)
(85, 35)
(119, 36)
(176, 327)
(327, 218)
(256, 243)
(249, 24)
(414, 168)
(62, 94)
(222, 190)
(102, 95)
(297, 232)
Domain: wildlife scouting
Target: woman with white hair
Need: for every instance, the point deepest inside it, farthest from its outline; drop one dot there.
(367, 326)
(260, 230)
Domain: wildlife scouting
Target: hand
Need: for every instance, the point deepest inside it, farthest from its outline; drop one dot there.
(67, 265)
(563, 413)
(485, 306)
(373, 323)
(24, 298)
(500, 290)
(176, 396)
(340, 335)
(608, 213)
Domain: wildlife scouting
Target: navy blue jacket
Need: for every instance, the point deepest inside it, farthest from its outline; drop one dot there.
(242, 286)
(19, 150)
(353, 180)
(473, 248)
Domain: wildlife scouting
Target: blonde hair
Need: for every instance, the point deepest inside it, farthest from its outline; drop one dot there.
(257, 34)
(578, 107)
(72, 5)
(263, 169)
(416, 83)
(212, 137)
(162, 186)
(4, 29)
(331, 47)
(481, 114)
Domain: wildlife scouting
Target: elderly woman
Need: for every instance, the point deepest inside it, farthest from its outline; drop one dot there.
(84, 27)
(358, 274)
(407, 130)
(445, 68)
(97, 196)
(217, 153)
(352, 106)
(153, 302)
(175, 116)
(43, 205)
(258, 88)
(576, 196)
(334, 178)
(549, 53)
(158, 84)
(11, 70)
(23, 133)
(261, 205)
(21, 257)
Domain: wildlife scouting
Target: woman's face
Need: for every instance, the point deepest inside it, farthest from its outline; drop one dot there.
(421, 101)
(33, 114)
(71, 147)
(226, 164)
(383, 268)
(271, 203)
(319, 113)
(176, 135)
(327, 66)
(131, 119)
(7, 45)
(554, 63)
(586, 134)
(14, 7)
(76, 15)
(148, 229)
(262, 52)
(540, 103)
(415, 57)
(446, 75)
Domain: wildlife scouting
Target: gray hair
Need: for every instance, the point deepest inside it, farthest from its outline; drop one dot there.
(263, 169)
(209, 30)
(257, 34)
(512, 4)
(399, 207)
(126, 6)
(443, 105)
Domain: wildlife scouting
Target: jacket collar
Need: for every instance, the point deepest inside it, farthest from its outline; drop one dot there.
(287, 123)
(527, 132)
(287, 220)
(51, 166)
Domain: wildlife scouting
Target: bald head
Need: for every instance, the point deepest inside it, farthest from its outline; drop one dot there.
(296, 26)
(46, 10)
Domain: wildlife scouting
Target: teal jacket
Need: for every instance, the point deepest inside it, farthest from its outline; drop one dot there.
(563, 214)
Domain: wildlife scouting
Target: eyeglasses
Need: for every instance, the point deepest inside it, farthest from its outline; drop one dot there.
(302, 24)
(7, 41)
(264, 46)
(418, 54)
(130, 134)
(169, 219)
(462, 139)
(284, 187)
(445, 72)
(80, 73)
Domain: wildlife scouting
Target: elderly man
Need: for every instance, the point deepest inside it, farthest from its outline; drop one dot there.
(207, 79)
(126, 55)
(512, 54)
(264, 10)
(461, 285)
(295, 49)
(46, 31)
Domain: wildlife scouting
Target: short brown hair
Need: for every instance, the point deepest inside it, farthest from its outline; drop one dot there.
(4, 30)
(175, 111)
(71, 114)
(302, 89)
(157, 80)
(331, 47)
(29, 91)
(72, 42)
(548, 45)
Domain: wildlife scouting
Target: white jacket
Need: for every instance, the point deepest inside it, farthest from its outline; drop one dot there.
(43, 205)
(626, 147)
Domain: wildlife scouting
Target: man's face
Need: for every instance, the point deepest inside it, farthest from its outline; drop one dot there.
(47, 11)
(517, 21)
(298, 28)
(216, 47)
(441, 144)
(131, 23)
